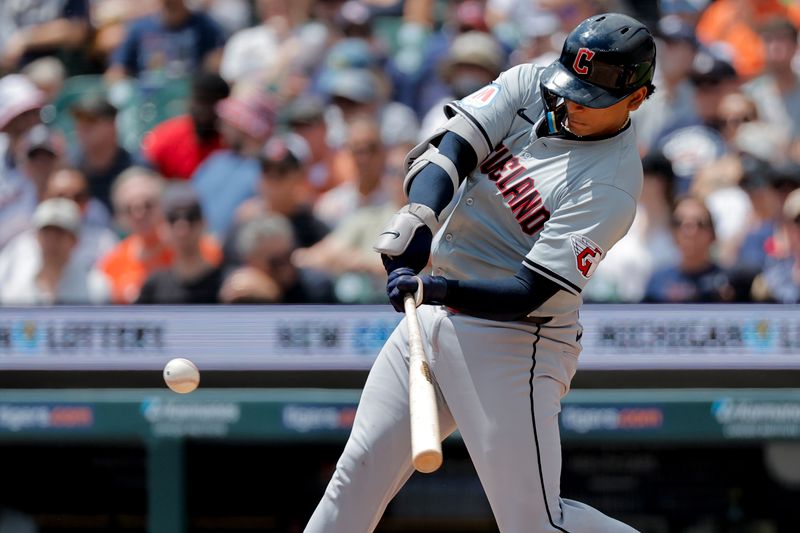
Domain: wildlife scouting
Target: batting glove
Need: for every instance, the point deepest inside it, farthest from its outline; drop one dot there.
(426, 289)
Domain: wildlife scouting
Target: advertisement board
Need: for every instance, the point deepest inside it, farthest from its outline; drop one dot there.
(349, 337)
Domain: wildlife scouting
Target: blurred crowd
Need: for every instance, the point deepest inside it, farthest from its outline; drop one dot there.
(248, 151)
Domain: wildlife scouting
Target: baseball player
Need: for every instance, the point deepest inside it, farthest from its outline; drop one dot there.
(543, 171)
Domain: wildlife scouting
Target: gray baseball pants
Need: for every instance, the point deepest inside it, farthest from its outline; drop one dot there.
(500, 384)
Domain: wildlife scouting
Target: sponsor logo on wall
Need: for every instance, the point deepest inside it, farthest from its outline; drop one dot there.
(27, 417)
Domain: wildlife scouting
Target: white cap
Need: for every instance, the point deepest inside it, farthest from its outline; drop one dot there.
(59, 212)
(18, 94)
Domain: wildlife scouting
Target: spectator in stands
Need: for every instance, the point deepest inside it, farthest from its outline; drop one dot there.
(768, 186)
(538, 39)
(229, 177)
(673, 102)
(757, 178)
(40, 152)
(305, 116)
(96, 238)
(34, 28)
(734, 110)
(346, 253)
(265, 49)
(48, 74)
(696, 278)
(623, 274)
(50, 275)
(696, 142)
(136, 196)
(94, 241)
(283, 189)
(355, 85)
(369, 154)
(20, 103)
(475, 59)
(177, 146)
(174, 43)
(231, 15)
(422, 44)
(110, 20)
(268, 275)
(98, 153)
(776, 92)
(780, 281)
(191, 279)
(734, 23)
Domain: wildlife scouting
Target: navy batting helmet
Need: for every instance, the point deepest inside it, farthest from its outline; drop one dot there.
(604, 59)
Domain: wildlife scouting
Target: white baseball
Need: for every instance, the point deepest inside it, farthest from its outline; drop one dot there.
(181, 375)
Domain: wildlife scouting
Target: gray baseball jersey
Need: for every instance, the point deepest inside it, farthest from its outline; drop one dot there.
(556, 206)
(538, 201)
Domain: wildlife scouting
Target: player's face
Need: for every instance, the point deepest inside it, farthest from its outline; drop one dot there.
(587, 121)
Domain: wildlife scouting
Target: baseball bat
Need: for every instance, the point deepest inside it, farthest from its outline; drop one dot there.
(426, 443)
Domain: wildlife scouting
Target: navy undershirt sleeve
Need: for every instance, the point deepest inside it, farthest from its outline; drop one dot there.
(503, 299)
(509, 298)
(432, 186)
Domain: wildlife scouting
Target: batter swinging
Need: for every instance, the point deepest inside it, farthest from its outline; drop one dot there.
(544, 165)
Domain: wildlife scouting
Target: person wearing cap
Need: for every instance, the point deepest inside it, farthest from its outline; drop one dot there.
(136, 196)
(768, 185)
(177, 146)
(475, 59)
(20, 104)
(694, 141)
(98, 153)
(191, 279)
(747, 250)
(776, 92)
(229, 176)
(305, 116)
(41, 150)
(358, 91)
(284, 189)
(94, 241)
(50, 275)
(188, 41)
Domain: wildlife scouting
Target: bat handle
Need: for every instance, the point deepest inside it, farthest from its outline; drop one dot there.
(426, 444)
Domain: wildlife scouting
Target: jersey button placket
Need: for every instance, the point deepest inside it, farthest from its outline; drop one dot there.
(470, 201)
(448, 237)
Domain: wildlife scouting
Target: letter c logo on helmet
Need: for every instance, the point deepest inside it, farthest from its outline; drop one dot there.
(582, 61)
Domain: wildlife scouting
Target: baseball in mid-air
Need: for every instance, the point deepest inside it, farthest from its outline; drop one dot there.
(181, 375)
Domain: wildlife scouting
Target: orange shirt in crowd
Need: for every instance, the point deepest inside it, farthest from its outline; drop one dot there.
(127, 271)
(735, 23)
(174, 150)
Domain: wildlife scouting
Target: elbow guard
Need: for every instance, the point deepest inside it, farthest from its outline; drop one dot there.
(426, 152)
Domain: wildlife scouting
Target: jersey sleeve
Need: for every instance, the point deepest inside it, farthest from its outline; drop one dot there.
(492, 109)
(580, 231)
